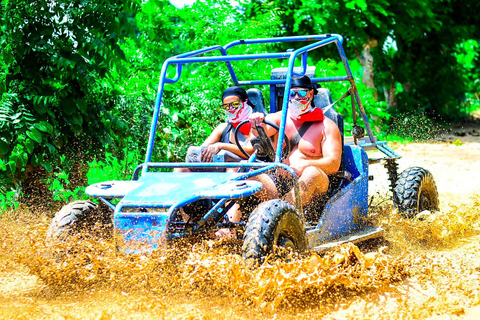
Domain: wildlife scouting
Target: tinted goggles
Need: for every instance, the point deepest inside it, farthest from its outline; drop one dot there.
(300, 93)
(234, 105)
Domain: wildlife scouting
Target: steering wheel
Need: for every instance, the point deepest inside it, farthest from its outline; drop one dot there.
(262, 143)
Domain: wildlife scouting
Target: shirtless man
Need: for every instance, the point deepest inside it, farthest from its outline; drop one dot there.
(317, 154)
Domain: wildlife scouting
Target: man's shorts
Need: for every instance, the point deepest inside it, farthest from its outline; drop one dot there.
(283, 183)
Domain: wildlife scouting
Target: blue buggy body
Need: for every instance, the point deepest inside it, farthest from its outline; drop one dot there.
(149, 210)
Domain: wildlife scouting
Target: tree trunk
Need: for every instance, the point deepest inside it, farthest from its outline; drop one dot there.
(391, 95)
(366, 60)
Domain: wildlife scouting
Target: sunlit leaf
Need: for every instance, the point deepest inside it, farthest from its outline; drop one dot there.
(35, 135)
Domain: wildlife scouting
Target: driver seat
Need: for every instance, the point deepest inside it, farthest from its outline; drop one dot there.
(322, 100)
(314, 209)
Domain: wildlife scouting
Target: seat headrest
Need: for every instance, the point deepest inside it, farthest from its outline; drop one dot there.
(256, 98)
(322, 100)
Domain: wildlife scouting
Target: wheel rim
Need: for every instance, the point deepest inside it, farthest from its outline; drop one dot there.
(286, 243)
(424, 202)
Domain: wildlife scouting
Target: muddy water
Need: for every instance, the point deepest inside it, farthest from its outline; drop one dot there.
(431, 269)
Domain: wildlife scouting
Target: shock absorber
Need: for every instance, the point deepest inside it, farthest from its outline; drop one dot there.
(392, 170)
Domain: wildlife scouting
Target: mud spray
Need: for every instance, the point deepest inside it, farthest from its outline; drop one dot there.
(416, 276)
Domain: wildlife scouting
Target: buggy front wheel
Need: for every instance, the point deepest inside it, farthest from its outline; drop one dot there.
(80, 217)
(274, 223)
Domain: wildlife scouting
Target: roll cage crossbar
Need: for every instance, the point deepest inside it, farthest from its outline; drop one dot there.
(197, 56)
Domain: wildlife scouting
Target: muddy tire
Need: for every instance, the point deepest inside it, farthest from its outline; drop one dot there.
(272, 223)
(79, 217)
(415, 191)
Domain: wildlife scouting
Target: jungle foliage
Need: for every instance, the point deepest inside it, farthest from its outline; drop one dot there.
(78, 78)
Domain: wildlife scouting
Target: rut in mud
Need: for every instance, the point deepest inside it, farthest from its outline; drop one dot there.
(431, 267)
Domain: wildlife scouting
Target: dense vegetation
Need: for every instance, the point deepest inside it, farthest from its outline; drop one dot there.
(78, 78)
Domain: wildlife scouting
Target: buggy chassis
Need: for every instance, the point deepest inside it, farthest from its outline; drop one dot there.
(147, 213)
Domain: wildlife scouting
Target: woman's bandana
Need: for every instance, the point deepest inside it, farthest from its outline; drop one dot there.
(236, 116)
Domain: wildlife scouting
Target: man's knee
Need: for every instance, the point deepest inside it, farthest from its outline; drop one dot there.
(313, 173)
(315, 177)
(269, 189)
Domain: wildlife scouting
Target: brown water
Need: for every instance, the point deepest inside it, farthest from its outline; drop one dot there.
(430, 270)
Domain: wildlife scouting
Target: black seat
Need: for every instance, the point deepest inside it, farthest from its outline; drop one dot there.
(256, 98)
(322, 100)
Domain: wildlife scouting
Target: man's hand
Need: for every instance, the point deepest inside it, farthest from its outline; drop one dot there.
(299, 166)
(256, 119)
(210, 151)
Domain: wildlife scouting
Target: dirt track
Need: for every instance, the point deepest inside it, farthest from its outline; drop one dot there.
(432, 270)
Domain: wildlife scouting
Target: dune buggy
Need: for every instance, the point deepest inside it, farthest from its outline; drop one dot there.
(149, 208)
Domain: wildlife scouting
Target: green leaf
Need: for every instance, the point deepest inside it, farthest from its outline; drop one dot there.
(3, 146)
(35, 135)
(29, 145)
(35, 160)
(69, 107)
(23, 158)
(77, 119)
(21, 138)
(39, 107)
(47, 166)
(51, 148)
(82, 105)
(350, 5)
(44, 126)
(362, 4)
(12, 165)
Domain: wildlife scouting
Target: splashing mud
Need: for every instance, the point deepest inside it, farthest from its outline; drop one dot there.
(430, 268)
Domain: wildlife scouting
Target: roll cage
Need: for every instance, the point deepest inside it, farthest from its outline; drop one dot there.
(197, 56)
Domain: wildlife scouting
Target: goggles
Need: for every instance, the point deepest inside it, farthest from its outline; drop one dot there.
(300, 93)
(234, 105)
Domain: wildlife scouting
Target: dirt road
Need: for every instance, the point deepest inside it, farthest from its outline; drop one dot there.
(431, 271)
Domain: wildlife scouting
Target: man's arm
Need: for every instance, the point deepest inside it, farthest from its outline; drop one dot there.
(331, 149)
(256, 119)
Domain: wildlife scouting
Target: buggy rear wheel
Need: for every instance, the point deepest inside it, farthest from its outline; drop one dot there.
(415, 191)
(80, 217)
(274, 223)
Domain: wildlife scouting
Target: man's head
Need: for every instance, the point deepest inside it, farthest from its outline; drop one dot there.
(300, 97)
(235, 103)
(303, 83)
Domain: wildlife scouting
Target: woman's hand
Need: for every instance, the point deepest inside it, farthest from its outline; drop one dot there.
(210, 151)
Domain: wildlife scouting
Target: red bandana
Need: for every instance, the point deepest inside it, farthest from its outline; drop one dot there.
(245, 129)
(315, 115)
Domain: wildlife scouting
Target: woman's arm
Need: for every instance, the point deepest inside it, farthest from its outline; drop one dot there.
(214, 145)
(216, 135)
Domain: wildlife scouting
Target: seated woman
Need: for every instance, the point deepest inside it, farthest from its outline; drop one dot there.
(237, 109)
